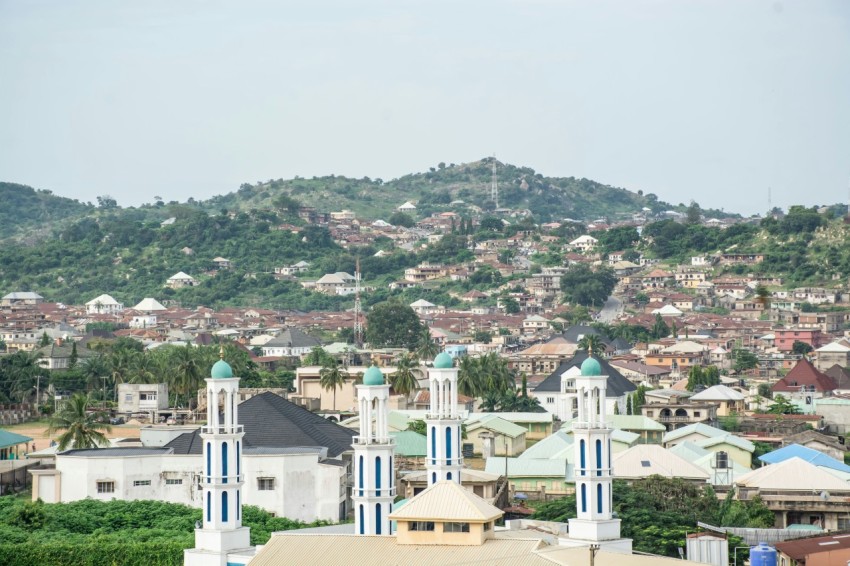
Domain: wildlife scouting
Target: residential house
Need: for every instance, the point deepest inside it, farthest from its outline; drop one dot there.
(508, 438)
(678, 411)
(729, 401)
(180, 280)
(679, 356)
(543, 358)
(714, 439)
(21, 298)
(222, 263)
(584, 243)
(640, 373)
(826, 550)
(104, 304)
(339, 283)
(136, 398)
(644, 460)
(534, 324)
(424, 272)
(835, 353)
(656, 278)
(822, 443)
(804, 384)
(785, 338)
(290, 342)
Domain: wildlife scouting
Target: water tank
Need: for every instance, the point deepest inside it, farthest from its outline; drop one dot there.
(762, 555)
(722, 461)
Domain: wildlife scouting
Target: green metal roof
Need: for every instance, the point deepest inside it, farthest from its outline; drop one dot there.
(409, 443)
(8, 439)
(497, 425)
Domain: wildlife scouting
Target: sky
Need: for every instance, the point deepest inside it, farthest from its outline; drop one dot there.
(716, 101)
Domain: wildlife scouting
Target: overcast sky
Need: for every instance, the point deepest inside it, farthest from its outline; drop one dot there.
(713, 100)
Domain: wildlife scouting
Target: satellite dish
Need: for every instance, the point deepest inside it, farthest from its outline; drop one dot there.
(824, 495)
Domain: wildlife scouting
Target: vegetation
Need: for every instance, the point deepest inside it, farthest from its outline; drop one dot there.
(584, 285)
(488, 374)
(657, 513)
(123, 533)
(81, 428)
(704, 377)
(393, 324)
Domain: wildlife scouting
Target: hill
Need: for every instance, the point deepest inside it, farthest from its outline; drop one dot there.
(548, 198)
(26, 210)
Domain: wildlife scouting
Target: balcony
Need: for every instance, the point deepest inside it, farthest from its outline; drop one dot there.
(362, 440)
(221, 429)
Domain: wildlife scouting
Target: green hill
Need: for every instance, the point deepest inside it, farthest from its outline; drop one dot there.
(31, 212)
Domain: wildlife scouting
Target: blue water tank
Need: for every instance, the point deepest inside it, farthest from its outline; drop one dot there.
(762, 555)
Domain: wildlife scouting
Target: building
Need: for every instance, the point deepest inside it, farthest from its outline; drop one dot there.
(374, 451)
(443, 421)
(290, 342)
(729, 401)
(180, 280)
(832, 354)
(828, 550)
(221, 539)
(136, 398)
(785, 338)
(104, 304)
(21, 298)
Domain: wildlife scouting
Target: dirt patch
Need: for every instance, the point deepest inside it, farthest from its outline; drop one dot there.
(38, 432)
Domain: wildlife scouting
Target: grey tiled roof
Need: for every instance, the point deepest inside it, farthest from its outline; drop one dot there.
(617, 384)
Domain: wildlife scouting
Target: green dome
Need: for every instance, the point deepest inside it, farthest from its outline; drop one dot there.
(590, 367)
(443, 361)
(221, 370)
(373, 376)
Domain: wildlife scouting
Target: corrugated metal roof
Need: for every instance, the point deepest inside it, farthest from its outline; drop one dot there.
(645, 460)
(729, 439)
(804, 453)
(496, 424)
(528, 468)
(8, 438)
(698, 428)
(548, 447)
(409, 443)
(447, 501)
(718, 393)
(792, 474)
(353, 550)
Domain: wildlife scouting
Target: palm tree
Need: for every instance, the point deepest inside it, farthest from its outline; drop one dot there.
(490, 401)
(592, 344)
(83, 429)
(468, 377)
(404, 380)
(332, 376)
(427, 349)
(186, 373)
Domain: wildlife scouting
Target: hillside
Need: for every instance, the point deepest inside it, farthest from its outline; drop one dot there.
(31, 212)
(548, 198)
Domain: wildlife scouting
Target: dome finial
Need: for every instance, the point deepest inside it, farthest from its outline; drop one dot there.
(221, 352)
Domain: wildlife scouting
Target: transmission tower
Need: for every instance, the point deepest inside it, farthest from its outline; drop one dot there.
(494, 185)
(769, 203)
(358, 307)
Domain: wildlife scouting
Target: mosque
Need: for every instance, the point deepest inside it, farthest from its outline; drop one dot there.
(445, 524)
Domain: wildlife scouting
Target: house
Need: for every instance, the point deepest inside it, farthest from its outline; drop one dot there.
(407, 207)
(543, 358)
(339, 283)
(290, 342)
(721, 469)
(422, 306)
(810, 455)
(136, 398)
(293, 269)
(424, 272)
(786, 337)
(508, 438)
(104, 304)
(584, 243)
(679, 356)
(222, 262)
(714, 439)
(149, 305)
(295, 466)
(814, 440)
(832, 354)
(180, 280)
(676, 410)
(343, 216)
(804, 384)
(57, 355)
(728, 401)
(815, 551)
(558, 395)
(534, 324)
(21, 298)
(483, 484)
(798, 493)
(645, 460)
(656, 278)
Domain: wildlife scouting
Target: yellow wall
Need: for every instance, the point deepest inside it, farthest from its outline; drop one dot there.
(475, 537)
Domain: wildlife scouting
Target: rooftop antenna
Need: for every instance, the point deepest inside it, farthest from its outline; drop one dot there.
(494, 185)
(358, 307)
(769, 203)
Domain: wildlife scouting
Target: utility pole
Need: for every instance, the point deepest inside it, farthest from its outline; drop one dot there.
(103, 398)
(494, 185)
(358, 307)
(37, 391)
(594, 548)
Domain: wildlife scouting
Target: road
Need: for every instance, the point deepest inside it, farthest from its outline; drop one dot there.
(610, 310)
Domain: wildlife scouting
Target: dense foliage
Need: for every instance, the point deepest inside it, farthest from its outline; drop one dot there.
(26, 209)
(124, 533)
(657, 512)
(584, 285)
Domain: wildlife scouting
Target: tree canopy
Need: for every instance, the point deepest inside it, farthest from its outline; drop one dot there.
(393, 324)
(584, 285)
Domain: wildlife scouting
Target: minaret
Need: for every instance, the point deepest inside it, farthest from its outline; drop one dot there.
(592, 441)
(222, 475)
(444, 459)
(374, 481)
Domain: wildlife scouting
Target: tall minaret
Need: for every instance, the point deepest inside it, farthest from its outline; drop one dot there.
(222, 475)
(374, 482)
(444, 459)
(592, 441)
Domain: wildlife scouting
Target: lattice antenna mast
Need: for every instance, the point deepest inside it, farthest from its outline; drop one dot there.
(494, 185)
(358, 307)
(769, 203)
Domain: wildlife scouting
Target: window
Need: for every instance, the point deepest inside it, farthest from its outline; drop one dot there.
(421, 526)
(147, 396)
(696, 414)
(455, 527)
(550, 400)
(128, 397)
(169, 481)
(265, 484)
(649, 413)
(486, 527)
(843, 523)
(140, 483)
(106, 487)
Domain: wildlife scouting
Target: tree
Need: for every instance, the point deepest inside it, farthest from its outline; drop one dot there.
(393, 324)
(659, 328)
(44, 341)
(782, 406)
(332, 376)
(74, 358)
(693, 214)
(483, 336)
(401, 219)
(763, 296)
(317, 357)
(510, 304)
(592, 344)
(744, 360)
(404, 380)
(586, 286)
(629, 405)
(426, 348)
(801, 348)
(82, 429)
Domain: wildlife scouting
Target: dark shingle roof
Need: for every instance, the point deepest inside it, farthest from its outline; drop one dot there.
(273, 422)
(293, 338)
(616, 387)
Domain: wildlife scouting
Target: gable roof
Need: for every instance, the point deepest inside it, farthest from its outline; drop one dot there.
(149, 304)
(804, 453)
(496, 424)
(698, 428)
(103, 300)
(617, 385)
(8, 439)
(840, 375)
(728, 438)
(410, 443)
(548, 447)
(447, 501)
(272, 421)
(804, 373)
